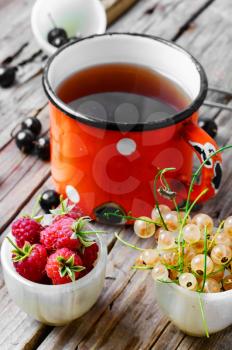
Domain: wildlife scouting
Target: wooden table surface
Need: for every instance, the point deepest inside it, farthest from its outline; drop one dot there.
(126, 315)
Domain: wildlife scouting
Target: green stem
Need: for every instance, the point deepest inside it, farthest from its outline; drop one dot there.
(160, 173)
(205, 258)
(128, 244)
(203, 316)
(140, 267)
(21, 252)
(217, 233)
(90, 232)
(173, 200)
(197, 172)
(128, 217)
(180, 236)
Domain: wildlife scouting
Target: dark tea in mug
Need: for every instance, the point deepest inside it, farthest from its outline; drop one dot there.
(122, 107)
(123, 93)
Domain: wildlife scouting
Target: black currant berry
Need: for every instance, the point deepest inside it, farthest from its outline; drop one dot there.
(59, 41)
(56, 32)
(25, 141)
(57, 37)
(42, 147)
(209, 126)
(50, 199)
(32, 124)
(7, 76)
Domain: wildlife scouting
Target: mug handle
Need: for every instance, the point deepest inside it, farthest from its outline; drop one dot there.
(203, 145)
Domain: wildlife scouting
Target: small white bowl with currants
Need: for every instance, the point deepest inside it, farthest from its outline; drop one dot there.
(191, 268)
(67, 19)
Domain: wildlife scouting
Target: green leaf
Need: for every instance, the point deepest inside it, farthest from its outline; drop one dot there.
(63, 209)
(86, 243)
(61, 259)
(38, 218)
(70, 261)
(63, 271)
(20, 254)
(78, 268)
(71, 274)
(57, 211)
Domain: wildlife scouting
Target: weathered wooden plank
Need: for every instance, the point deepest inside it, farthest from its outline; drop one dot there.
(162, 18)
(115, 8)
(71, 330)
(134, 318)
(218, 341)
(168, 339)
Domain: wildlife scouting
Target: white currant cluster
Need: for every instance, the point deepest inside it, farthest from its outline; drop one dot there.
(192, 254)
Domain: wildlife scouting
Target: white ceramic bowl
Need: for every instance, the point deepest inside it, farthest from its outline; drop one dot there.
(58, 304)
(75, 16)
(183, 308)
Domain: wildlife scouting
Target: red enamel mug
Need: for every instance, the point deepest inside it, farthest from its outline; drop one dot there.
(113, 164)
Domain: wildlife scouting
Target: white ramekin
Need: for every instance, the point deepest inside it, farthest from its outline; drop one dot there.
(86, 17)
(58, 304)
(183, 308)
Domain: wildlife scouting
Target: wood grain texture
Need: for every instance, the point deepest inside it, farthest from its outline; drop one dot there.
(126, 316)
(115, 8)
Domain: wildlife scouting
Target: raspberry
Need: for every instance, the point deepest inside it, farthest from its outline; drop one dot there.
(60, 234)
(75, 212)
(30, 261)
(89, 256)
(67, 209)
(26, 229)
(64, 266)
(66, 233)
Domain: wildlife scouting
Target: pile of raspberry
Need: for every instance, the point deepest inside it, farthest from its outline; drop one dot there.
(54, 254)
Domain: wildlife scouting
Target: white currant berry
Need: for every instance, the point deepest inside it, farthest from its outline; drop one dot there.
(228, 226)
(211, 286)
(169, 258)
(189, 253)
(198, 264)
(218, 272)
(164, 209)
(144, 229)
(188, 280)
(223, 238)
(159, 272)
(166, 240)
(150, 256)
(182, 216)
(221, 254)
(157, 232)
(227, 282)
(203, 221)
(191, 233)
(171, 220)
